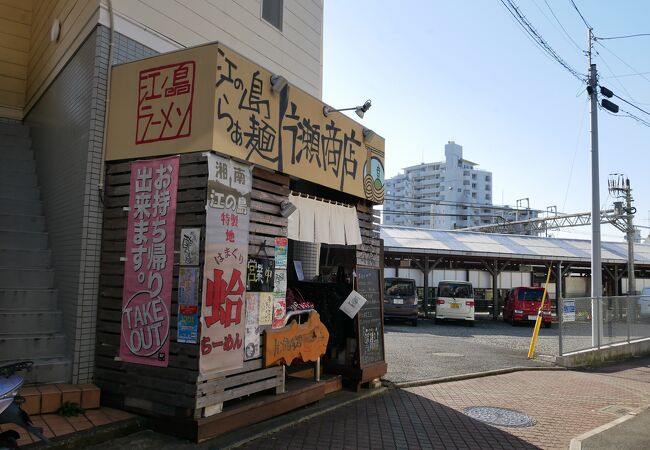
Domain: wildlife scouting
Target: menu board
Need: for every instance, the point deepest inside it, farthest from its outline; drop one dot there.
(370, 317)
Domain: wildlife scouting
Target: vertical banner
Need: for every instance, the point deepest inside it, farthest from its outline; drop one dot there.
(148, 271)
(188, 305)
(226, 252)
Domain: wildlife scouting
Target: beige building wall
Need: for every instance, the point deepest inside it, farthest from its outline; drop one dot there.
(295, 52)
(30, 60)
(15, 24)
(77, 19)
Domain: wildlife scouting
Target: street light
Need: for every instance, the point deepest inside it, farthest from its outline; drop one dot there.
(360, 110)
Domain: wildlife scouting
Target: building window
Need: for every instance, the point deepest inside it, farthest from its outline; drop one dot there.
(272, 12)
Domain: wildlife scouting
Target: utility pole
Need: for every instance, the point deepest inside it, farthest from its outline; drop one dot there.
(620, 187)
(596, 262)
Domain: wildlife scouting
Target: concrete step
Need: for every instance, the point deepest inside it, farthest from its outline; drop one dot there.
(23, 240)
(14, 129)
(21, 222)
(20, 206)
(20, 153)
(15, 300)
(25, 322)
(26, 259)
(12, 140)
(46, 370)
(29, 346)
(9, 178)
(12, 278)
(18, 165)
(20, 192)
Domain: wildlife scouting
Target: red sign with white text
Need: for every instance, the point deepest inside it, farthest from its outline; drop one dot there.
(148, 272)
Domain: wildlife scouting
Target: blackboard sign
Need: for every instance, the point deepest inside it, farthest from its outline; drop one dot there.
(260, 273)
(370, 317)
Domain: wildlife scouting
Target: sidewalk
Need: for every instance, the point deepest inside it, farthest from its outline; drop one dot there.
(564, 405)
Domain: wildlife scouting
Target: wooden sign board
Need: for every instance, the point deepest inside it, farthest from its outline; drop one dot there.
(307, 341)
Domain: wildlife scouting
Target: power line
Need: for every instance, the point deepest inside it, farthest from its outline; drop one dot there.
(632, 105)
(539, 40)
(580, 14)
(624, 62)
(620, 37)
(561, 26)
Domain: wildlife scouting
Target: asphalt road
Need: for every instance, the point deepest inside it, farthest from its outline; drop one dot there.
(433, 351)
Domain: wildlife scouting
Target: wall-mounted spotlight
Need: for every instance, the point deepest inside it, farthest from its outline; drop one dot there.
(368, 134)
(359, 110)
(278, 82)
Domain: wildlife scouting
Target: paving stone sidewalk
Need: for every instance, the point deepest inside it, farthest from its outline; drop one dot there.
(565, 404)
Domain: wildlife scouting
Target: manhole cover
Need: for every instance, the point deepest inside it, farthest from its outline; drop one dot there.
(502, 417)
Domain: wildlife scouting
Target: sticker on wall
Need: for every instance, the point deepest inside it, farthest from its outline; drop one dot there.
(279, 310)
(266, 308)
(281, 251)
(252, 340)
(190, 241)
(188, 305)
(280, 281)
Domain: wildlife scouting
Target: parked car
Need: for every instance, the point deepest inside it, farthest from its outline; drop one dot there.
(644, 302)
(455, 301)
(401, 300)
(523, 303)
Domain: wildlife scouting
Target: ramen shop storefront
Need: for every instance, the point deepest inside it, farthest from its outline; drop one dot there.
(210, 314)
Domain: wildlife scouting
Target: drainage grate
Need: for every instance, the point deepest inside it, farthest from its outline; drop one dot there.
(502, 417)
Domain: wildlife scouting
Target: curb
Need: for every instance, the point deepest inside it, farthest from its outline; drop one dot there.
(286, 421)
(487, 373)
(576, 443)
(92, 436)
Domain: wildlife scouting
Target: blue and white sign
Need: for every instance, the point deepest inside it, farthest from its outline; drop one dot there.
(568, 310)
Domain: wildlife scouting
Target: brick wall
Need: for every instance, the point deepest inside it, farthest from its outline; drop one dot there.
(67, 126)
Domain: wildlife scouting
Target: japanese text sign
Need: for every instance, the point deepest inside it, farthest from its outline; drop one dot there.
(148, 270)
(226, 253)
(178, 102)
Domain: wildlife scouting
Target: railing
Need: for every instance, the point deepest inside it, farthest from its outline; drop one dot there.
(623, 320)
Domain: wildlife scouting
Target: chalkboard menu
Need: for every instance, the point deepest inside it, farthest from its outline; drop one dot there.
(370, 317)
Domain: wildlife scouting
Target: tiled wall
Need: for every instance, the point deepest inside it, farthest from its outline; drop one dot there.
(67, 126)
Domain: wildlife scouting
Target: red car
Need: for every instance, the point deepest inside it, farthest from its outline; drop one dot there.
(523, 303)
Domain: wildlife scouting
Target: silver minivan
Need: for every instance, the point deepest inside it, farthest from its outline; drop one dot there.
(455, 300)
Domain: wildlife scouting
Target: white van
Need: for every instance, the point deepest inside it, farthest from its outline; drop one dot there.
(455, 300)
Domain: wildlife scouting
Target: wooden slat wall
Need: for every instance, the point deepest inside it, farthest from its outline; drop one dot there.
(269, 189)
(166, 391)
(175, 390)
(368, 252)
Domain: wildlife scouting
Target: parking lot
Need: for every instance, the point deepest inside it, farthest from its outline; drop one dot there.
(432, 351)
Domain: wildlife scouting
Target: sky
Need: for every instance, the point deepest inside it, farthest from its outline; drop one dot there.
(463, 70)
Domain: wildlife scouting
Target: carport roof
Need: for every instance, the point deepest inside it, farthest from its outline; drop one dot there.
(470, 243)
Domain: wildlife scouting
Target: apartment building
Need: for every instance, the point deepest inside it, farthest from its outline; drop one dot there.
(446, 195)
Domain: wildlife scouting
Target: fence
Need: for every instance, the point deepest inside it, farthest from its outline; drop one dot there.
(623, 319)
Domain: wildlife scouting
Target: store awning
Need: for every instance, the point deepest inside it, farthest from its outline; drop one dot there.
(323, 222)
